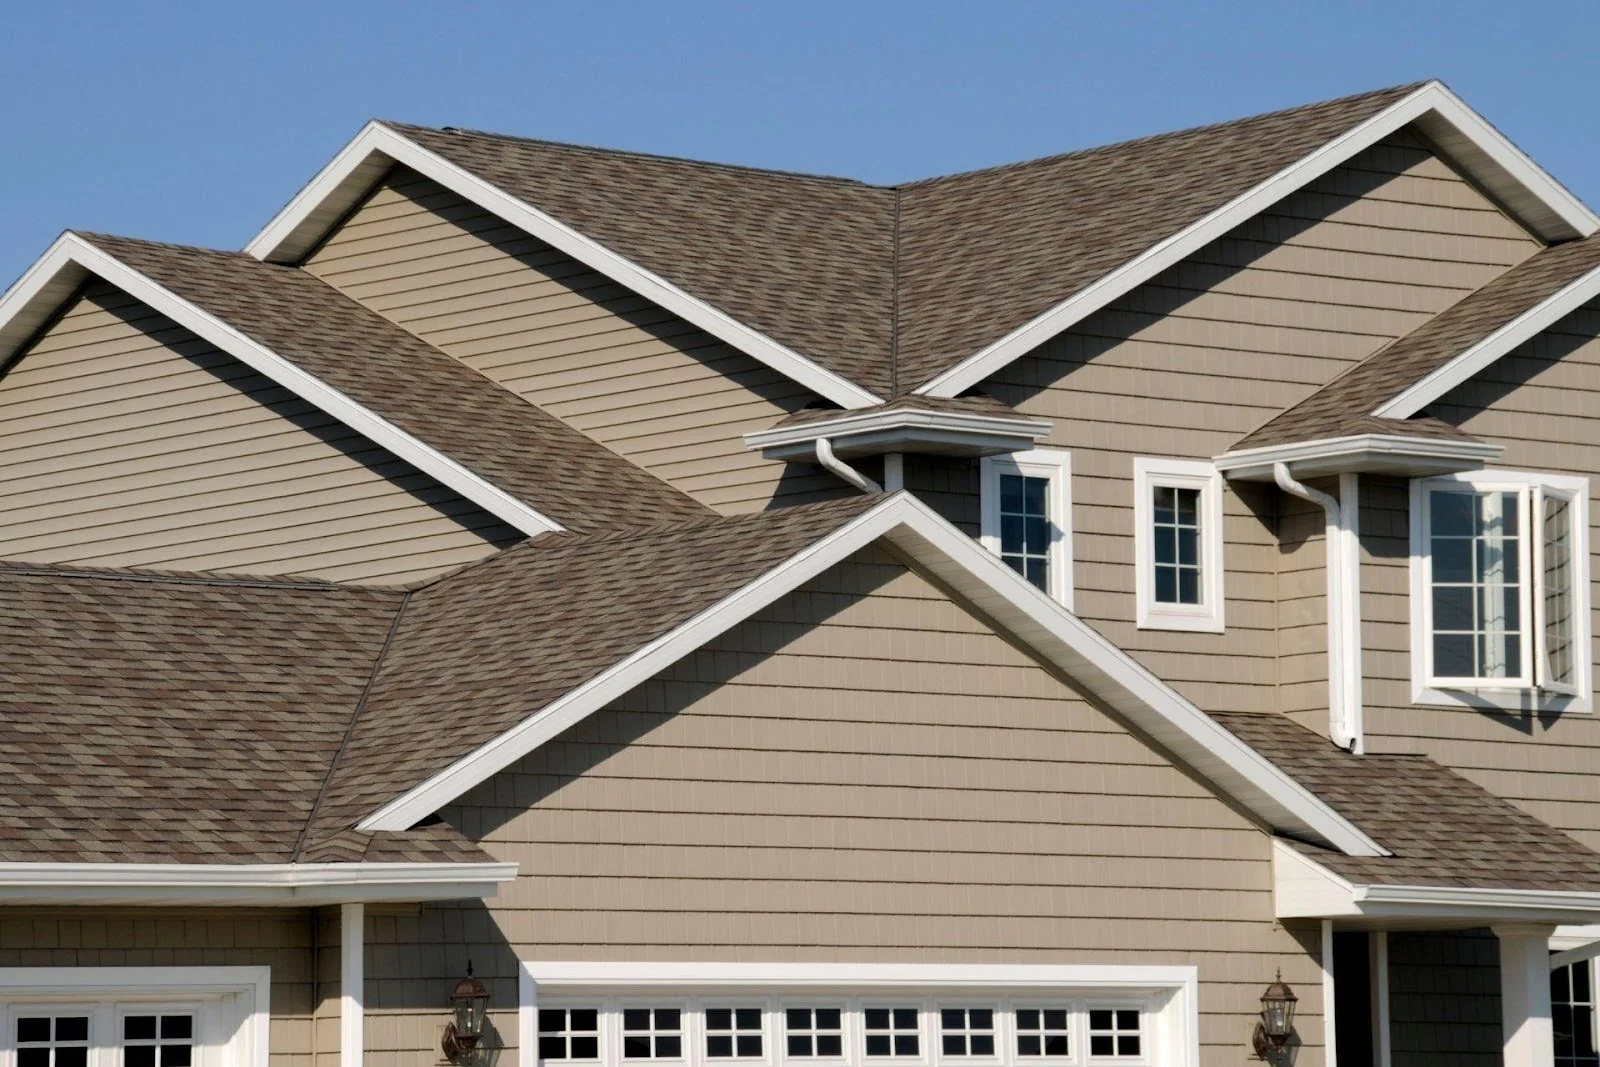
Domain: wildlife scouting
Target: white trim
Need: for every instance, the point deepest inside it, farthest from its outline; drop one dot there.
(1542, 203)
(901, 429)
(1172, 1031)
(1054, 465)
(1330, 1045)
(1513, 697)
(1378, 962)
(352, 984)
(263, 883)
(246, 990)
(71, 258)
(348, 176)
(995, 591)
(1525, 1021)
(1572, 955)
(1364, 453)
(1210, 615)
(1518, 331)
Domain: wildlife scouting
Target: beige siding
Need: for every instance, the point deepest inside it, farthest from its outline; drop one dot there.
(861, 772)
(647, 385)
(127, 441)
(1542, 402)
(194, 937)
(1191, 362)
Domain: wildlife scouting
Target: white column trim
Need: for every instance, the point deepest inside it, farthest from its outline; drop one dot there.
(1330, 1050)
(352, 984)
(1525, 994)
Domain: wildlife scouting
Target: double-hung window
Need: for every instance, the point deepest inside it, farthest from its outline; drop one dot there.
(1500, 589)
(1027, 517)
(1177, 515)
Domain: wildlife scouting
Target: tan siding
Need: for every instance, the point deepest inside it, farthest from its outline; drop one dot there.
(194, 937)
(861, 772)
(1209, 350)
(127, 441)
(1542, 403)
(647, 385)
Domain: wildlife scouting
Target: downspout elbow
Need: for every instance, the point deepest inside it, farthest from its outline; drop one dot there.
(833, 463)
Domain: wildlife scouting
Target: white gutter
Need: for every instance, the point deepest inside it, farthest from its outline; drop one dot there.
(838, 466)
(1344, 602)
(902, 430)
(260, 883)
(1367, 453)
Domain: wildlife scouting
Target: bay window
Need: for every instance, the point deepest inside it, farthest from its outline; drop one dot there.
(1500, 595)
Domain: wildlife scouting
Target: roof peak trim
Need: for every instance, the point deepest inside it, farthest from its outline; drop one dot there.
(291, 234)
(1543, 315)
(1542, 203)
(52, 279)
(987, 584)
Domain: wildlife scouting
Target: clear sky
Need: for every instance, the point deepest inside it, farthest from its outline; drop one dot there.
(194, 122)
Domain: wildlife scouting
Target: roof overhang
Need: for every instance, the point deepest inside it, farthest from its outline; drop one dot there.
(351, 174)
(995, 592)
(952, 433)
(271, 885)
(35, 297)
(1524, 189)
(1304, 889)
(1367, 453)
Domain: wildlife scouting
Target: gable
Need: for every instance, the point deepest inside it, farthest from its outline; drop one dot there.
(127, 441)
(646, 384)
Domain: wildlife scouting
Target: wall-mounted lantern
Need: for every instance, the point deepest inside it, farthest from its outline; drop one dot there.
(470, 1003)
(1277, 1019)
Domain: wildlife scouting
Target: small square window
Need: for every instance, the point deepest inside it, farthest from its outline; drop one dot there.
(53, 1041)
(814, 1032)
(1043, 1033)
(966, 1031)
(569, 1033)
(652, 1033)
(157, 1040)
(891, 1031)
(1115, 1033)
(733, 1033)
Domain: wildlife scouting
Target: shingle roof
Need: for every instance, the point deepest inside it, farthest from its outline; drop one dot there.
(1344, 406)
(1443, 829)
(491, 431)
(890, 285)
(490, 646)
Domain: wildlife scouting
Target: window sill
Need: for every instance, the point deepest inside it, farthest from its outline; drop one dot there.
(1499, 699)
(1159, 620)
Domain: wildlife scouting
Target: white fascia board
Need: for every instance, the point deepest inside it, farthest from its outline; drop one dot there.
(28, 303)
(1359, 453)
(1542, 203)
(292, 884)
(584, 974)
(307, 218)
(985, 432)
(1518, 331)
(995, 590)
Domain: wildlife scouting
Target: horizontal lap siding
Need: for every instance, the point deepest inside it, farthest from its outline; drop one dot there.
(126, 441)
(191, 937)
(1542, 403)
(642, 382)
(1189, 363)
(861, 772)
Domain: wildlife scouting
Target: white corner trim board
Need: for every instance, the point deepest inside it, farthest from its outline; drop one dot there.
(1175, 988)
(1518, 331)
(352, 983)
(1541, 202)
(348, 176)
(998, 592)
(71, 259)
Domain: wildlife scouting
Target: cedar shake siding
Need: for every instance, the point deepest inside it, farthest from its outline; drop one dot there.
(126, 441)
(1542, 402)
(1190, 362)
(645, 384)
(1444, 1000)
(861, 772)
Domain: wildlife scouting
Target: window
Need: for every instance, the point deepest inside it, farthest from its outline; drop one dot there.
(1500, 589)
(733, 1033)
(1027, 517)
(891, 1031)
(1572, 1015)
(158, 1040)
(652, 1033)
(814, 1032)
(52, 1040)
(966, 1031)
(1177, 514)
(1043, 1032)
(1115, 1033)
(569, 1034)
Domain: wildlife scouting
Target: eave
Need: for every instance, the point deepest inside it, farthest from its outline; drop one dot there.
(1366, 453)
(901, 430)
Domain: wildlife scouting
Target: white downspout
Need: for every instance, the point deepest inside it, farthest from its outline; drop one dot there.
(1344, 600)
(838, 466)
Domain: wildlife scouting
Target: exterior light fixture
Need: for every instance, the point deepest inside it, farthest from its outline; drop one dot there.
(470, 1003)
(1277, 1019)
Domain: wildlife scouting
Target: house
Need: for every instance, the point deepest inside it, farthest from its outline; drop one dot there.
(1031, 616)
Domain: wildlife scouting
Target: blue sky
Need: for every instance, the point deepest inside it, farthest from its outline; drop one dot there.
(194, 122)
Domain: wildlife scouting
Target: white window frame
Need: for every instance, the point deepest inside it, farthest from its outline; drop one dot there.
(1524, 693)
(1049, 463)
(1210, 615)
(231, 1006)
(1167, 998)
